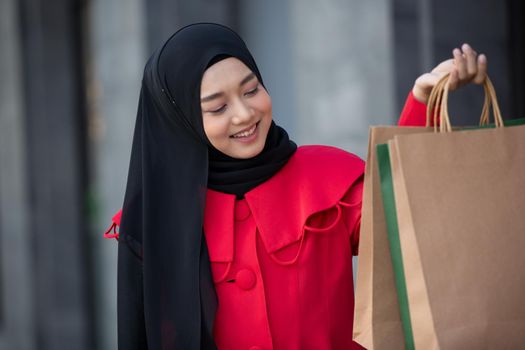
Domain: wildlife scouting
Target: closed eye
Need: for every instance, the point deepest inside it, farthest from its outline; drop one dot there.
(252, 92)
(218, 110)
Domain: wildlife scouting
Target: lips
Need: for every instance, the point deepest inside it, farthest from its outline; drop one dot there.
(246, 132)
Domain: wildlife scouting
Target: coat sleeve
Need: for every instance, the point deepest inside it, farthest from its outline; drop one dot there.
(414, 112)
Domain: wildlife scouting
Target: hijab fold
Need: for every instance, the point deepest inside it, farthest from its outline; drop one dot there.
(172, 164)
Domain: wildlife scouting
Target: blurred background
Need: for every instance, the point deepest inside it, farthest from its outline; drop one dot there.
(70, 73)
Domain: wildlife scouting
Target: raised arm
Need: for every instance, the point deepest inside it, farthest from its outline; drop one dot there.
(465, 67)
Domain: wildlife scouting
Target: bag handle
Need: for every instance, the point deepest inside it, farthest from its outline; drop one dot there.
(437, 106)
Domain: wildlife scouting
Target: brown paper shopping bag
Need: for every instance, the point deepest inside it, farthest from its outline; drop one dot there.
(377, 323)
(460, 202)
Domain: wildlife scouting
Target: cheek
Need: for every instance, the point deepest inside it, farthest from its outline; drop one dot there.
(265, 104)
(215, 129)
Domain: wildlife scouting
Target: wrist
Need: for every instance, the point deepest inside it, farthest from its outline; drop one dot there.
(420, 94)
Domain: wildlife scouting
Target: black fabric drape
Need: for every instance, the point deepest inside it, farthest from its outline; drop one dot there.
(166, 298)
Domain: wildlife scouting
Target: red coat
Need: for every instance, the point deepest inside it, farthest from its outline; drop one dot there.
(282, 257)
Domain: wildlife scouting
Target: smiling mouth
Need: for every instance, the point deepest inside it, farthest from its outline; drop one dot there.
(246, 133)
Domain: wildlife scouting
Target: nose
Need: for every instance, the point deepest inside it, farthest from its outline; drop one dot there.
(242, 113)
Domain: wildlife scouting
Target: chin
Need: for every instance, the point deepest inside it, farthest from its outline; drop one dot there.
(247, 154)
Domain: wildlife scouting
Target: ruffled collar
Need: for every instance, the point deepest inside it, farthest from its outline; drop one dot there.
(314, 179)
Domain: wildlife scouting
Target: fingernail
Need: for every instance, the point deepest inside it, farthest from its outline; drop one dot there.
(465, 46)
(482, 58)
(456, 52)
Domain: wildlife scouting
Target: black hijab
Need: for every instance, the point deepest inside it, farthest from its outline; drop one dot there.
(166, 298)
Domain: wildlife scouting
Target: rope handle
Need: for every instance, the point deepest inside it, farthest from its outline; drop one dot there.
(437, 106)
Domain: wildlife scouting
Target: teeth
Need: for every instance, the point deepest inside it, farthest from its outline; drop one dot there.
(246, 133)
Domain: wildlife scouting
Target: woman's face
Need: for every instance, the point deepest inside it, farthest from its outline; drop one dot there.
(236, 109)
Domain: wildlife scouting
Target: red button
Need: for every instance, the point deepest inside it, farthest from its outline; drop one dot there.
(245, 279)
(242, 210)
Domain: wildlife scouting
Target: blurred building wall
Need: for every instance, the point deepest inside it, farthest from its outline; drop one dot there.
(116, 52)
(16, 277)
(343, 68)
(53, 114)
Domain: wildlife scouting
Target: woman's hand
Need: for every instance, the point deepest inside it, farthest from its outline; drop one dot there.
(466, 66)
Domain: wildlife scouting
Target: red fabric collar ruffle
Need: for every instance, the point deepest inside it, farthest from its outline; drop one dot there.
(314, 179)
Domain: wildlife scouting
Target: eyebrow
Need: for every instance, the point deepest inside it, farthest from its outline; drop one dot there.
(219, 94)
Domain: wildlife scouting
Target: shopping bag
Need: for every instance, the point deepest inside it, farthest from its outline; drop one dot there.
(457, 214)
(377, 322)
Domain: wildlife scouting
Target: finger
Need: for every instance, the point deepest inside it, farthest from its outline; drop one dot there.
(460, 63)
(472, 66)
(482, 69)
(453, 81)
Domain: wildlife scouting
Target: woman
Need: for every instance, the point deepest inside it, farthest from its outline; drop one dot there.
(231, 236)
